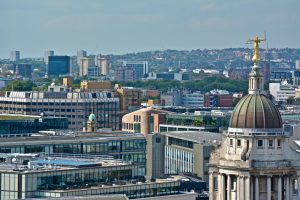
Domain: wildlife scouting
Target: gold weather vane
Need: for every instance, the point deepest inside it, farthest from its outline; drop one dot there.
(256, 41)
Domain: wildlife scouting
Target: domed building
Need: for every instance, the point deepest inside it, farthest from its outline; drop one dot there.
(91, 124)
(255, 160)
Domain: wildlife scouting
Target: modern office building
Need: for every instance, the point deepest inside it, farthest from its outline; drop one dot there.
(281, 76)
(76, 106)
(80, 54)
(180, 152)
(256, 159)
(281, 92)
(58, 65)
(170, 76)
(131, 148)
(124, 74)
(192, 99)
(140, 68)
(24, 70)
(25, 125)
(14, 56)
(139, 121)
(47, 54)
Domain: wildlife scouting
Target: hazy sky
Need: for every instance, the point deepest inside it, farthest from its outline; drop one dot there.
(123, 26)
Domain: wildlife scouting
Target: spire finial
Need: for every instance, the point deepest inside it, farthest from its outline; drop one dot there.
(256, 41)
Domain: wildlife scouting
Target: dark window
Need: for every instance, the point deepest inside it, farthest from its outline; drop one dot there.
(239, 143)
(158, 140)
(260, 143)
(231, 142)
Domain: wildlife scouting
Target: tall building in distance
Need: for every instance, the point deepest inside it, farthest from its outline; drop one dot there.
(85, 64)
(124, 74)
(80, 54)
(140, 68)
(24, 70)
(58, 65)
(256, 159)
(14, 56)
(103, 64)
(47, 54)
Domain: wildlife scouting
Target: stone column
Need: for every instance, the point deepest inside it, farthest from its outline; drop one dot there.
(247, 188)
(211, 185)
(242, 188)
(287, 188)
(298, 178)
(228, 187)
(252, 187)
(256, 187)
(220, 180)
(224, 187)
(279, 188)
(237, 188)
(268, 188)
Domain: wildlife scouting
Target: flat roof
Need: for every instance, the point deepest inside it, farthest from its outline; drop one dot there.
(64, 162)
(189, 196)
(202, 137)
(72, 138)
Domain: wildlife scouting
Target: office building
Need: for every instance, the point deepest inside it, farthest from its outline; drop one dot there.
(131, 71)
(76, 106)
(281, 91)
(297, 64)
(124, 74)
(25, 125)
(256, 159)
(85, 65)
(24, 70)
(281, 76)
(192, 99)
(172, 98)
(180, 152)
(139, 121)
(129, 97)
(14, 56)
(103, 64)
(58, 65)
(170, 76)
(47, 54)
(80, 54)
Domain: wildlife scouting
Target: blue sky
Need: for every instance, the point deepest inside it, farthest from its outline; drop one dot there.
(123, 26)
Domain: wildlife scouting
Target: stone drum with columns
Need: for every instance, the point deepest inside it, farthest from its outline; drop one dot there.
(255, 160)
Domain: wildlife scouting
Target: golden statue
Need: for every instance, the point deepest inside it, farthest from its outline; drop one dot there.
(256, 41)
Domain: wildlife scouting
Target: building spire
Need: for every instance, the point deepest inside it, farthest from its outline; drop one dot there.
(255, 77)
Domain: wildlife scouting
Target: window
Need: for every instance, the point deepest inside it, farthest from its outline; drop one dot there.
(271, 144)
(260, 144)
(239, 143)
(279, 143)
(231, 142)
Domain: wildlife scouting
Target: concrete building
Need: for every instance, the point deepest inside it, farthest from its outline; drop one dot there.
(124, 74)
(216, 99)
(170, 76)
(129, 97)
(85, 65)
(193, 99)
(14, 56)
(140, 68)
(76, 106)
(47, 54)
(103, 64)
(172, 98)
(80, 54)
(281, 76)
(139, 121)
(297, 64)
(58, 65)
(281, 91)
(255, 159)
(180, 152)
(89, 86)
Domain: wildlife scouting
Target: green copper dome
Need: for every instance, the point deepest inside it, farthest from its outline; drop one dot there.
(255, 111)
(92, 117)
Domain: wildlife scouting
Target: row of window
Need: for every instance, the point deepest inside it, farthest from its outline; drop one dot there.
(272, 143)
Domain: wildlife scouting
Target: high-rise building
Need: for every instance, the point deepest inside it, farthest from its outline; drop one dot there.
(24, 70)
(80, 54)
(85, 64)
(256, 159)
(47, 54)
(14, 56)
(124, 74)
(103, 64)
(297, 64)
(58, 65)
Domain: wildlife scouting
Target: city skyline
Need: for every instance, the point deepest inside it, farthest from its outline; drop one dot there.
(120, 27)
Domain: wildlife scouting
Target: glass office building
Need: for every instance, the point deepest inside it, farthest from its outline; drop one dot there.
(120, 146)
(58, 65)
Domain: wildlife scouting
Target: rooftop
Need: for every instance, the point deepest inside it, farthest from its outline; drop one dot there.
(202, 137)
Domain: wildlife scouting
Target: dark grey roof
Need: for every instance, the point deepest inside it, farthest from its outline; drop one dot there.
(191, 196)
(94, 197)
